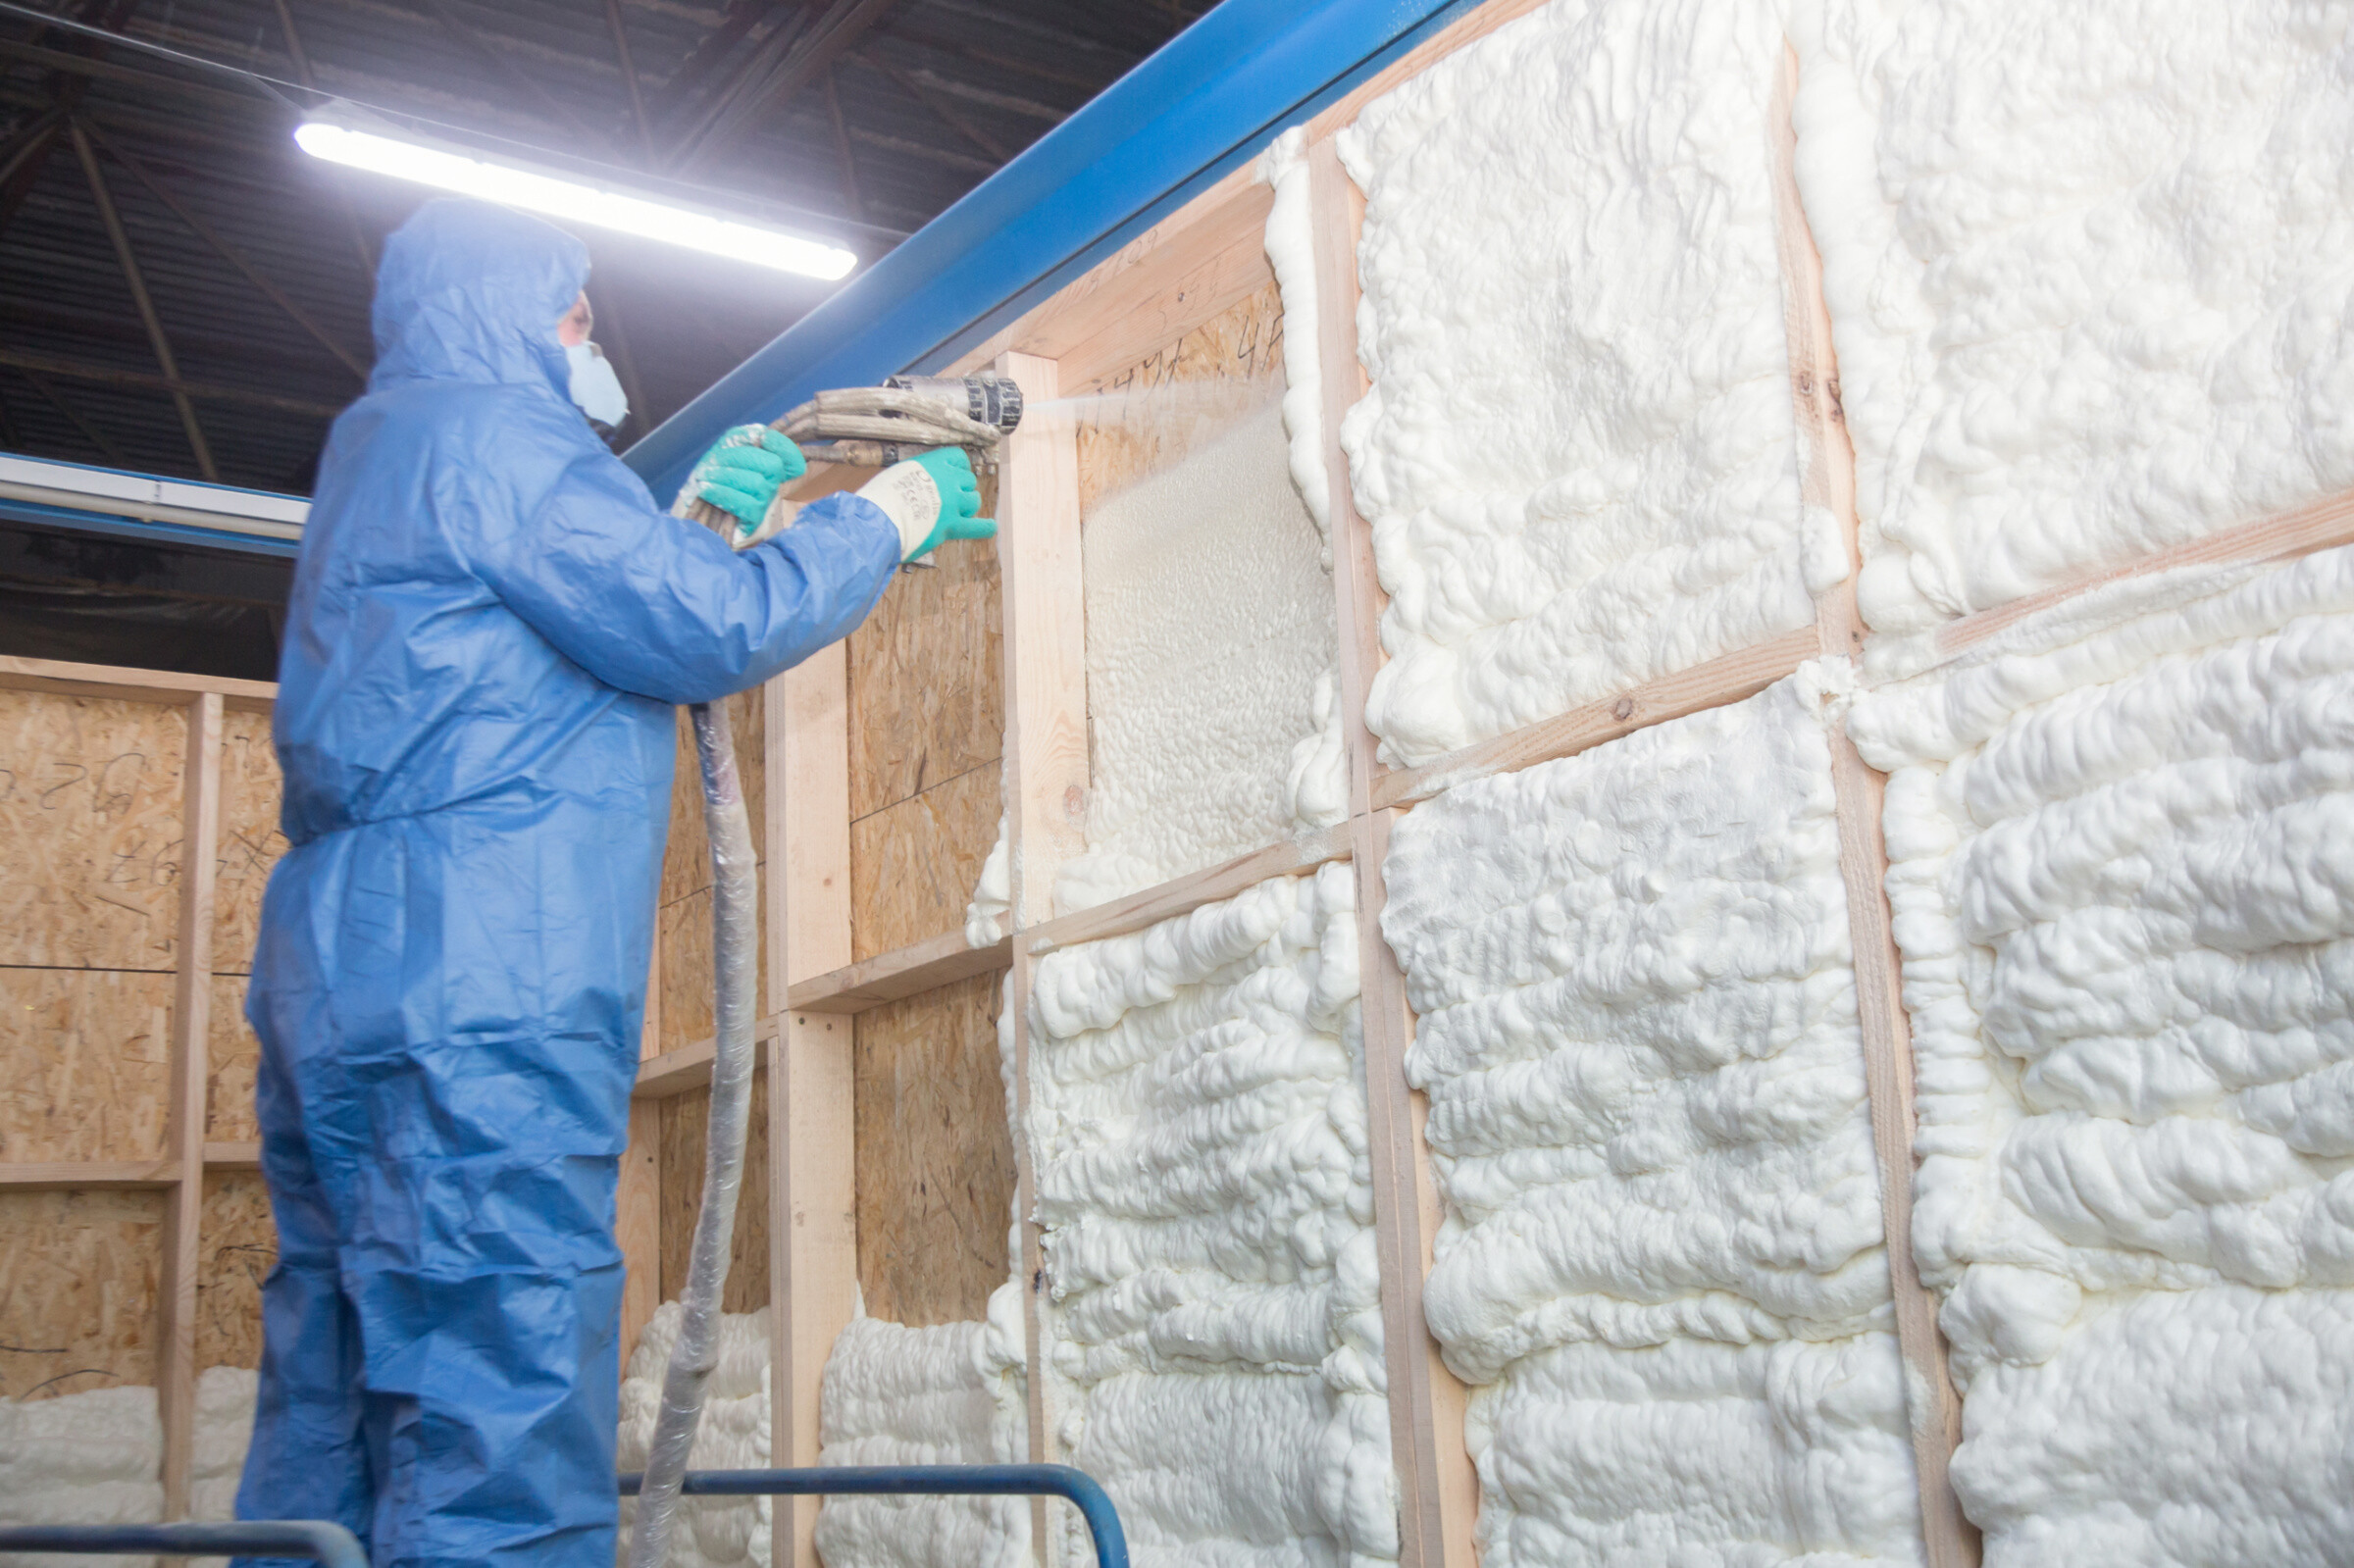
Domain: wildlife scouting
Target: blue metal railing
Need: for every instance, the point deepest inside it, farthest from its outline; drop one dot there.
(330, 1544)
(938, 1481)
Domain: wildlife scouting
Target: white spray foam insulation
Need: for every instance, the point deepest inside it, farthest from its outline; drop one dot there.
(90, 1458)
(225, 1404)
(225, 1401)
(2121, 864)
(1577, 456)
(950, 1393)
(1292, 253)
(1208, 620)
(2088, 269)
(733, 1434)
(993, 892)
(1662, 1268)
(1212, 1332)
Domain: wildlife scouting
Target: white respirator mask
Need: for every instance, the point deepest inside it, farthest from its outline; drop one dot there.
(594, 386)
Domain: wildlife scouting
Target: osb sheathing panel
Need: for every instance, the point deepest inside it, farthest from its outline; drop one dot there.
(250, 842)
(935, 1160)
(90, 803)
(913, 865)
(1183, 396)
(927, 686)
(686, 970)
(82, 1063)
(77, 1289)
(685, 1120)
(232, 1054)
(236, 1247)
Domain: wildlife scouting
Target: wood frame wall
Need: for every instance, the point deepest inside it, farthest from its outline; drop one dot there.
(1182, 272)
(179, 1174)
(1179, 274)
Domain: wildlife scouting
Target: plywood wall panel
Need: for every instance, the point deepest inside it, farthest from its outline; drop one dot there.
(236, 1247)
(82, 1063)
(78, 1291)
(684, 932)
(913, 865)
(927, 687)
(89, 830)
(232, 1055)
(934, 1155)
(687, 857)
(684, 1121)
(1148, 416)
(250, 842)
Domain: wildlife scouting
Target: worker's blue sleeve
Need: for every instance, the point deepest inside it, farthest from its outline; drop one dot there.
(660, 606)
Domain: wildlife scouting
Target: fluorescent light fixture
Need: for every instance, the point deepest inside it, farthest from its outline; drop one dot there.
(559, 197)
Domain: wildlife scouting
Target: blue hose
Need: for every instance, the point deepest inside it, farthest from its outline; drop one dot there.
(328, 1543)
(941, 1481)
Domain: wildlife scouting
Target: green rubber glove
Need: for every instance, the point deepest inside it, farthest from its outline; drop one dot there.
(960, 499)
(744, 471)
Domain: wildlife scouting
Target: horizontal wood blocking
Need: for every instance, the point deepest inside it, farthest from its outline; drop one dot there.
(2324, 524)
(89, 1173)
(1190, 892)
(129, 685)
(153, 1174)
(895, 976)
(1712, 684)
(688, 1067)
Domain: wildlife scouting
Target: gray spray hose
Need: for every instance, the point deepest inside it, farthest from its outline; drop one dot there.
(735, 930)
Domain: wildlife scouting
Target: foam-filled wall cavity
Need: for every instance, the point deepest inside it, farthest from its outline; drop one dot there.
(225, 1401)
(2088, 268)
(1577, 456)
(1213, 1330)
(2121, 852)
(1662, 1269)
(710, 1532)
(1210, 619)
(950, 1393)
(90, 1458)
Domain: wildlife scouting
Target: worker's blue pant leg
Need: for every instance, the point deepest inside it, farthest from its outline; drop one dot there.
(442, 1101)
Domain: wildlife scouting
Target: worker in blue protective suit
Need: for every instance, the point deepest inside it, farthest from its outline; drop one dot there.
(491, 622)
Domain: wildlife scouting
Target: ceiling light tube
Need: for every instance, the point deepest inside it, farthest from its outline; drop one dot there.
(385, 151)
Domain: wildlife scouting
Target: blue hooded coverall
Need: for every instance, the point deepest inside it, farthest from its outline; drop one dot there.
(491, 622)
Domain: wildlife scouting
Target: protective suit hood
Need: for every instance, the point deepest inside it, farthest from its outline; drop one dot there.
(469, 291)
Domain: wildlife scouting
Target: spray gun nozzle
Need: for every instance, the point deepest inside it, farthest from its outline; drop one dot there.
(992, 400)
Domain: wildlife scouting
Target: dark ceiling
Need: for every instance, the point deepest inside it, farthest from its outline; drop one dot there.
(182, 291)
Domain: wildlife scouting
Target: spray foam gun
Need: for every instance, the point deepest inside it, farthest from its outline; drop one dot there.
(875, 427)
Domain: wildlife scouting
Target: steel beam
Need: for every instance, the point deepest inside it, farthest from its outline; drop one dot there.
(129, 263)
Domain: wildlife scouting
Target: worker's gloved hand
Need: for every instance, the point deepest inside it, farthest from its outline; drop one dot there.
(741, 474)
(931, 498)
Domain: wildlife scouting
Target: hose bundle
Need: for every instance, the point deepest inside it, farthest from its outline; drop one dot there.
(734, 935)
